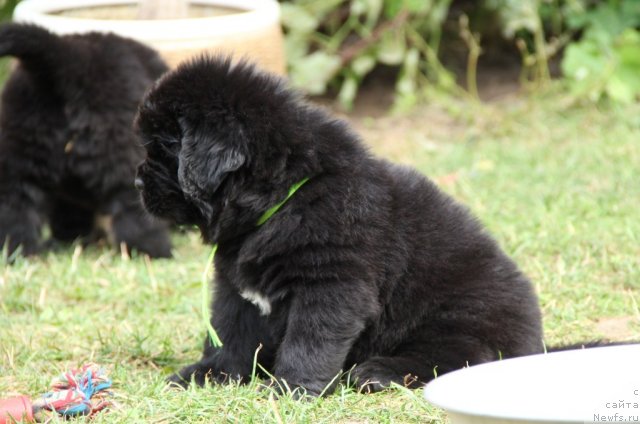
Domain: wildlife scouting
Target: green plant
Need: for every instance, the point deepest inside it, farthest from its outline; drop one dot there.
(606, 60)
(522, 21)
(338, 42)
(472, 40)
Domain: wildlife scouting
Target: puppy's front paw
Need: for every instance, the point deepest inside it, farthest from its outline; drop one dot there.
(16, 243)
(195, 373)
(176, 380)
(202, 372)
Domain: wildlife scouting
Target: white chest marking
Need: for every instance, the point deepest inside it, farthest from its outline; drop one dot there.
(262, 302)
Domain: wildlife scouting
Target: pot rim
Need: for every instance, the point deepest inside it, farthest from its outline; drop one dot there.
(256, 15)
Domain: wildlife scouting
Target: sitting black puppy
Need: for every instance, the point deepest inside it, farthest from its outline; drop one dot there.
(68, 153)
(367, 266)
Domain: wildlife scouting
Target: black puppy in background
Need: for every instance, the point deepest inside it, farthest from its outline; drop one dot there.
(68, 153)
(367, 266)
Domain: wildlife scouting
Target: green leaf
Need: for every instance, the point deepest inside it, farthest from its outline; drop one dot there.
(374, 8)
(418, 6)
(392, 48)
(610, 18)
(348, 92)
(628, 48)
(631, 10)
(392, 7)
(297, 18)
(313, 72)
(358, 7)
(406, 84)
(586, 68)
(624, 84)
(617, 89)
(576, 18)
(362, 65)
(606, 18)
(296, 45)
(583, 60)
(438, 13)
(411, 62)
(517, 15)
(593, 69)
(369, 8)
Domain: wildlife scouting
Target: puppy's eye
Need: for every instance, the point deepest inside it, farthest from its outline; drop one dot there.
(169, 146)
(174, 146)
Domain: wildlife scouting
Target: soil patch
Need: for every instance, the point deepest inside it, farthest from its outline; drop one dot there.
(618, 328)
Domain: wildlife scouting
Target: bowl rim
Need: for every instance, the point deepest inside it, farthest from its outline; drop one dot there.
(453, 391)
(255, 17)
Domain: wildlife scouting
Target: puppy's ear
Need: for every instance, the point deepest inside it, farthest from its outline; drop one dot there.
(206, 157)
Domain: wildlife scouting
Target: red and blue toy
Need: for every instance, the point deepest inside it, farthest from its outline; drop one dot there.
(82, 391)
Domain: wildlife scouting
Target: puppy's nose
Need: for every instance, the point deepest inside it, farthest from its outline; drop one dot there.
(138, 183)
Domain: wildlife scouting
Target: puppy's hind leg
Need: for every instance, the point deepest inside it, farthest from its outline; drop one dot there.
(125, 221)
(21, 218)
(381, 372)
(69, 222)
(417, 363)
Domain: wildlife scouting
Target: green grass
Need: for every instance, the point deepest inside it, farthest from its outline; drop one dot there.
(560, 189)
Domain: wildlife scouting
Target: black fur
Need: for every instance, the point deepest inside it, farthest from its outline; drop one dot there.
(68, 153)
(369, 265)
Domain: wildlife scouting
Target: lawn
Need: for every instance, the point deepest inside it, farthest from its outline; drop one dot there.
(557, 184)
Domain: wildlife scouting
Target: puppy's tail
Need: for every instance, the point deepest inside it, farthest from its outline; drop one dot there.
(37, 49)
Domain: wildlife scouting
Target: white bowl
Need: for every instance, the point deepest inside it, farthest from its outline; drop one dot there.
(576, 386)
(254, 32)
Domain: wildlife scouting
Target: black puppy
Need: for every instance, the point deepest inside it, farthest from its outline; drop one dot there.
(68, 153)
(368, 265)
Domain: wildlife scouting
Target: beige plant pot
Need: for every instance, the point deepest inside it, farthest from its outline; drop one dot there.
(243, 28)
